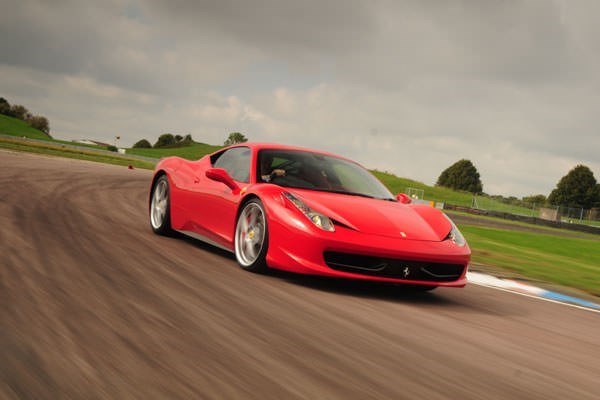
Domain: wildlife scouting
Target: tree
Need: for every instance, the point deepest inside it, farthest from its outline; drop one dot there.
(576, 189)
(142, 144)
(4, 106)
(234, 138)
(535, 199)
(187, 140)
(40, 123)
(19, 111)
(165, 140)
(462, 175)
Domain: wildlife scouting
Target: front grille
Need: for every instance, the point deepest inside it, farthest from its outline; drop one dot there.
(393, 268)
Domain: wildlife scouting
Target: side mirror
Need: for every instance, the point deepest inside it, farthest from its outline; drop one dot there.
(220, 175)
(403, 198)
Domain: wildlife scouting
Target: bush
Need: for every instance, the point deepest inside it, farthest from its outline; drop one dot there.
(4, 106)
(578, 188)
(187, 140)
(234, 138)
(110, 147)
(19, 111)
(462, 175)
(40, 123)
(142, 144)
(169, 140)
(165, 140)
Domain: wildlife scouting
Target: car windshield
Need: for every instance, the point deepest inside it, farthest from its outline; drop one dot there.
(307, 170)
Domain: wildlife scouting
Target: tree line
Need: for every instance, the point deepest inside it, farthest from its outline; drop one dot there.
(577, 189)
(168, 140)
(18, 111)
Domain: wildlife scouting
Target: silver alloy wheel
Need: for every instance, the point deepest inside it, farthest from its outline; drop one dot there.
(250, 234)
(159, 205)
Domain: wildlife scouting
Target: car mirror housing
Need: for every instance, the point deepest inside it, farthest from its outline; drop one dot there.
(220, 175)
(403, 198)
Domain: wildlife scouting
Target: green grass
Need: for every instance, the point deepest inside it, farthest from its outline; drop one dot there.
(486, 203)
(58, 150)
(491, 220)
(191, 152)
(565, 261)
(16, 127)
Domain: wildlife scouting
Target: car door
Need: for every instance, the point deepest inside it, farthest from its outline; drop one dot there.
(215, 203)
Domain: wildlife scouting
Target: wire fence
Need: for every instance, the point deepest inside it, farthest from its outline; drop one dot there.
(575, 215)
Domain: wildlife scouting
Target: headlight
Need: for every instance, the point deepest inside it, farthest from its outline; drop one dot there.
(455, 234)
(316, 218)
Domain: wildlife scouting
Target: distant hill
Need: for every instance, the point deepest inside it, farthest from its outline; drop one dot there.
(191, 152)
(16, 127)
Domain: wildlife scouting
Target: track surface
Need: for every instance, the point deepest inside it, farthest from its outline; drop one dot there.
(93, 305)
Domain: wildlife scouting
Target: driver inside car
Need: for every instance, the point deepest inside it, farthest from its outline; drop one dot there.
(266, 173)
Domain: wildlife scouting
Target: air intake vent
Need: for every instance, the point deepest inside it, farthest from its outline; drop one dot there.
(393, 268)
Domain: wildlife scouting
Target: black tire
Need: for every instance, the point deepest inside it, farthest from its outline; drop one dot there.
(160, 207)
(252, 237)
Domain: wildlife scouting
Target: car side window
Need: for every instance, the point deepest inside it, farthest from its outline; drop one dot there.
(236, 162)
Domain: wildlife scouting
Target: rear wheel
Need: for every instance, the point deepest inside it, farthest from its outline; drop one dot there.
(251, 237)
(160, 207)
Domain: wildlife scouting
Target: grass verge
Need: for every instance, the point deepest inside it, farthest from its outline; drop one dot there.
(565, 261)
(61, 151)
(492, 221)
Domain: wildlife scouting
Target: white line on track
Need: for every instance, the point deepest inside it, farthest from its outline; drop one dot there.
(497, 283)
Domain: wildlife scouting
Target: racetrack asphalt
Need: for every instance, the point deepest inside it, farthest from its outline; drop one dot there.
(94, 305)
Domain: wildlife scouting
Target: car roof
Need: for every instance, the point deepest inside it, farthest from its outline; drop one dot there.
(256, 146)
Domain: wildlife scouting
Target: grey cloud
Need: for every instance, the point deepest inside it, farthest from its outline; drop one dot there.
(314, 25)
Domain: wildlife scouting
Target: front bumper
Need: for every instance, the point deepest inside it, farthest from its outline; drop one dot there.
(297, 246)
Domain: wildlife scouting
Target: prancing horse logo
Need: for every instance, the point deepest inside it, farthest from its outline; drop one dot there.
(406, 272)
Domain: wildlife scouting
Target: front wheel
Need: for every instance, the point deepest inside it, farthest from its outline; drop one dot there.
(160, 207)
(252, 237)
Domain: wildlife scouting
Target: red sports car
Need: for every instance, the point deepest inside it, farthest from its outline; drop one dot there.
(306, 211)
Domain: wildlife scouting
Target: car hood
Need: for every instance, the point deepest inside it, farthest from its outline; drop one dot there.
(379, 217)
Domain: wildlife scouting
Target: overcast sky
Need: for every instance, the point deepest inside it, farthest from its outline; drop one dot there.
(404, 86)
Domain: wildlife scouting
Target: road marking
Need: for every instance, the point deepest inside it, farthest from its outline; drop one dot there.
(507, 285)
